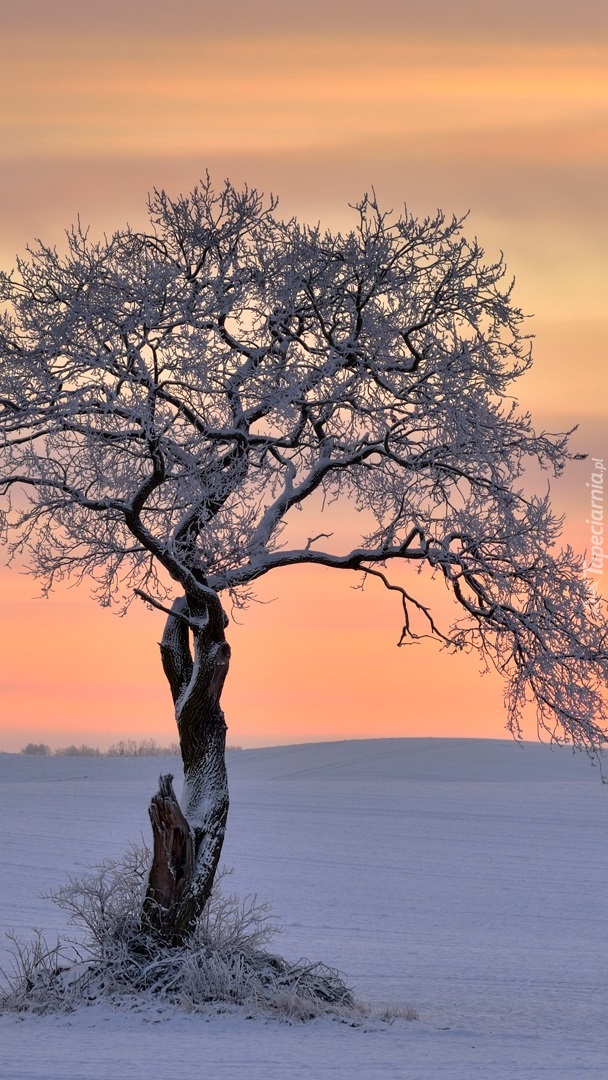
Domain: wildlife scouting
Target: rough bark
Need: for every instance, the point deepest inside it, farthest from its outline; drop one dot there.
(172, 860)
(188, 839)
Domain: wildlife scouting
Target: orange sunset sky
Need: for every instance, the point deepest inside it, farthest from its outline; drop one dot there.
(495, 108)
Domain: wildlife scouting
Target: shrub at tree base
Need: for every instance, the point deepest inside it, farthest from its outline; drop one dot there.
(117, 960)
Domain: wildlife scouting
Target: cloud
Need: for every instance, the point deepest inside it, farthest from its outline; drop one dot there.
(76, 97)
(468, 19)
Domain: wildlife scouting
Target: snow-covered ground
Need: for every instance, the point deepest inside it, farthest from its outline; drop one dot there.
(466, 878)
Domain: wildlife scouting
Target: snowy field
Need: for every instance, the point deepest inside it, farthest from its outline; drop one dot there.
(466, 878)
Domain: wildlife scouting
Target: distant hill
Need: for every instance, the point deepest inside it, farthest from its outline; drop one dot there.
(380, 760)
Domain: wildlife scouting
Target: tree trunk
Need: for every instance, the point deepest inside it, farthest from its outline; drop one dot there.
(188, 839)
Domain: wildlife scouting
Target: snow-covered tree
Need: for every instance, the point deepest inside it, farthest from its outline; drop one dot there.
(170, 398)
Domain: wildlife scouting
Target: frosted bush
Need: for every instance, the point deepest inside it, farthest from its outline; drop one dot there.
(113, 958)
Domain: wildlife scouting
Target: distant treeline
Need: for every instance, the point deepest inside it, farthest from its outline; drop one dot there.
(124, 748)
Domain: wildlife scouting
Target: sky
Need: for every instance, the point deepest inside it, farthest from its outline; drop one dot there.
(497, 109)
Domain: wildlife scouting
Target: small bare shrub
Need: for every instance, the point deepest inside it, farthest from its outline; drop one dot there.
(31, 983)
(390, 1013)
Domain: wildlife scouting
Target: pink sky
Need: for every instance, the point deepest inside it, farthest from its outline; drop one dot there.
(500, 109)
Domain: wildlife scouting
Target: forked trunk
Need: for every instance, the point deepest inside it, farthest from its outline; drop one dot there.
(188, 839)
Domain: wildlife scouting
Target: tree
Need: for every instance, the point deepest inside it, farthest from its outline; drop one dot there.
(170, 398)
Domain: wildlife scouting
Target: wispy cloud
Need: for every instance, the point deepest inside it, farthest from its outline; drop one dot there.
(80, 96)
